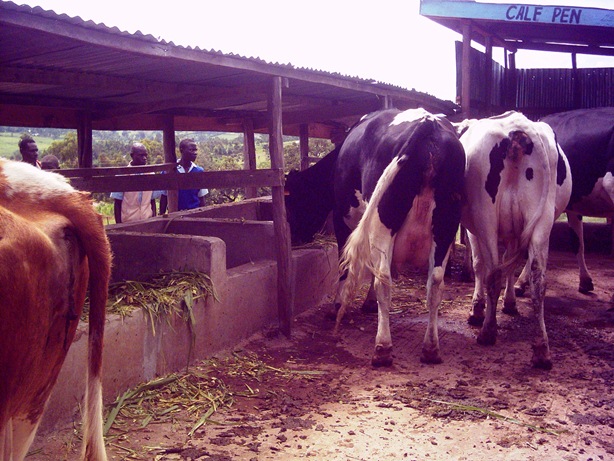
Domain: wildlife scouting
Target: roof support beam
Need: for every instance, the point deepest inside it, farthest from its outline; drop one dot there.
(285, 294)
(249, 153)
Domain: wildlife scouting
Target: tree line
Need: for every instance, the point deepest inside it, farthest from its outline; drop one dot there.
(216, 152)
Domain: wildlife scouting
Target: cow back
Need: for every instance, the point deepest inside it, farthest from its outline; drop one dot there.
(511, 177)
(587, 138)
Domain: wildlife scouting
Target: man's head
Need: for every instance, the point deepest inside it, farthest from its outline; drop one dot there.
(188, 150)
(50, 162)
(139, 155)
(28, 150)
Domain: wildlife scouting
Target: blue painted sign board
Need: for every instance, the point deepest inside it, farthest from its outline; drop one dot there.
(518, 12)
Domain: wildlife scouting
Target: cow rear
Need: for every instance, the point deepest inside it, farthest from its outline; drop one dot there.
(517, 183)
(53, 244)
(404, 171)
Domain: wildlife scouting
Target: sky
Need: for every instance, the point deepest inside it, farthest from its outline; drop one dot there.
(383, 40)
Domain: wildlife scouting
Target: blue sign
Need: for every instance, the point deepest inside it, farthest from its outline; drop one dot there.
(518, 12)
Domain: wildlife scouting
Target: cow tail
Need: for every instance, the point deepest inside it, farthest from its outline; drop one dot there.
(527, 233)
(355, 260)
(90, 231)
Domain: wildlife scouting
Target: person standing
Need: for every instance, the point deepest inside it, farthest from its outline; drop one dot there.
(29, 150)
(187, 198)
(135, 205)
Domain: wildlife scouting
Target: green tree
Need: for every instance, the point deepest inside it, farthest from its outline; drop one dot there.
(65, 150)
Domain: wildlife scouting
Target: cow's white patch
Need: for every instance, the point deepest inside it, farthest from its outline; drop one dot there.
(414, 240)
(24, 178)
(412, 115)
(355, 214)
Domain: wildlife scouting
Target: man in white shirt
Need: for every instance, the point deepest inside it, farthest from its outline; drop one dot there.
(135, 205)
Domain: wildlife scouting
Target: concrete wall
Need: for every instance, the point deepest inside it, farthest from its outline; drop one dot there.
(247, 302)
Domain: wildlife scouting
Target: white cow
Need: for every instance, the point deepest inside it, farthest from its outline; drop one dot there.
(517, 183)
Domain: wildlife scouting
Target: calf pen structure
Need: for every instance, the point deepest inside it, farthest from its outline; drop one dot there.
(234, 245)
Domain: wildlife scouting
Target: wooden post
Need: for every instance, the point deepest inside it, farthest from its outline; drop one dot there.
(304, 145)
(168, 142)
(249, 154)
(511, 90)
(488, 77)
(84, 140)
(466, 72)
(577, 89)
(386, 102)
(285, 295)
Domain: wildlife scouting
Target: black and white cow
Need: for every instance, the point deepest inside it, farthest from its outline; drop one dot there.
(398, 194)
(309, 198)
(587, 138)
(517, 183)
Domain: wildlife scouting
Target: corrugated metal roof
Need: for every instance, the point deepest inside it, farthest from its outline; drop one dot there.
(54, 68)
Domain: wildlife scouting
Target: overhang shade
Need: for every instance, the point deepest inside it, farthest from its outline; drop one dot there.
(55, 68)
(566, 29)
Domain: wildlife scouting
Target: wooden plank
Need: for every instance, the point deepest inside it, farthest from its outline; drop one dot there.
(285, 296)
(466, 72)
(113, 171)
(175, 181)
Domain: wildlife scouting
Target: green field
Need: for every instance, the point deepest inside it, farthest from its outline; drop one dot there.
(9, 148)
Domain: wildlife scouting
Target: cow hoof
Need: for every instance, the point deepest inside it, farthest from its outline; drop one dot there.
(382, 356)
(369, 306)
(510, 308)
(487, 338)
(541, 357)
(475, 320)
(586, 286)
(542, 364)
(430, 356)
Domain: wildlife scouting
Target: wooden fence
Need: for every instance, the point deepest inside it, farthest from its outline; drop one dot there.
(535, 92)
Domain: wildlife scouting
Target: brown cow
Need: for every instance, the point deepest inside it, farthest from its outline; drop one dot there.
(52, 243)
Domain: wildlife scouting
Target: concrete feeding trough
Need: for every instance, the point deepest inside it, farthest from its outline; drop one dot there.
(234, 245)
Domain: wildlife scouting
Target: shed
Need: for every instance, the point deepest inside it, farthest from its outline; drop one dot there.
(63, 72)
(484, 88)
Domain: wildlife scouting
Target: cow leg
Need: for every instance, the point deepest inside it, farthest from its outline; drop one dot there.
(577, 243)
(22, 434)
(478, 300)
(434, 293)
(370, 304)
(382, 357)
(541, 350)
(509, 295)
(523, 280)
(467, 273)
(493, 284)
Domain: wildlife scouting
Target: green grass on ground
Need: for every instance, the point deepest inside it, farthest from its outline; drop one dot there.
(10, 149)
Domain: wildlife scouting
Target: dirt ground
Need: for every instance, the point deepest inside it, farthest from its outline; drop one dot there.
(315, 396)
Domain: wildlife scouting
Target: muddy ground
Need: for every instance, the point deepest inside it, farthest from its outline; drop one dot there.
(315, 396)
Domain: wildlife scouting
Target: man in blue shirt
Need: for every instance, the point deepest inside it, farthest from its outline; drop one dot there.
(188, 198)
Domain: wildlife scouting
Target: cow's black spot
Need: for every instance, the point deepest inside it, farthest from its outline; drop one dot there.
(529, 173)
(496, 156)
(561, 171)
